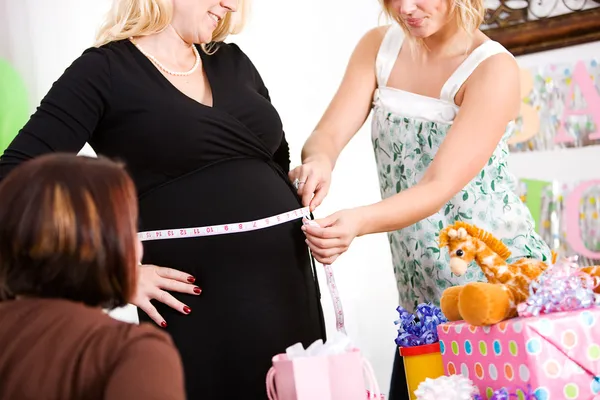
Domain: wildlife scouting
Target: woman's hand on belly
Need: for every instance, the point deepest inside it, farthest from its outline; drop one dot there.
(154, 282)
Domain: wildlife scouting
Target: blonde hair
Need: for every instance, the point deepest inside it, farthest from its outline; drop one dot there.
(129, 18)
(469, 15)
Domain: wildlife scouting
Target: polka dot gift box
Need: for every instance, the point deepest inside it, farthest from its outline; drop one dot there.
(557, 354)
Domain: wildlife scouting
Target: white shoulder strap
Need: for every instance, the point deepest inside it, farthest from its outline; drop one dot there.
(464, 70)
(388, 53)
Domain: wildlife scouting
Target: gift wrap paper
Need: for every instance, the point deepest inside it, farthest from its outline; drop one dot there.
(557, 354)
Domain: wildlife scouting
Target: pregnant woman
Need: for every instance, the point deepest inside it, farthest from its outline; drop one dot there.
(192, 120)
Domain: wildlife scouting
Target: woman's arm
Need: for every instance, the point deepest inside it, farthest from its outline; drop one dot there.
(68, 114)
(491, 100)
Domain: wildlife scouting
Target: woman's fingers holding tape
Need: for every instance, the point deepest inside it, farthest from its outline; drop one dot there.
(322, 254)
(323, 244)
(326, 260)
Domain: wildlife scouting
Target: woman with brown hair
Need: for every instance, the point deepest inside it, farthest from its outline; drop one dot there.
(68, 248)
(192, 119)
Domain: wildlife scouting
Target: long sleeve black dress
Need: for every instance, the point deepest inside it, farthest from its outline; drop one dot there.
(195, 165)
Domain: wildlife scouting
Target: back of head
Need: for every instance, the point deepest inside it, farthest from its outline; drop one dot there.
(68, 228)
(130, 18)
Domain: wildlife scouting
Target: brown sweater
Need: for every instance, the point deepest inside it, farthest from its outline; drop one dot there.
(61, 350)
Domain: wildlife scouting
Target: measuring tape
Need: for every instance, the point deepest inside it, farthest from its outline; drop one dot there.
(239, 227)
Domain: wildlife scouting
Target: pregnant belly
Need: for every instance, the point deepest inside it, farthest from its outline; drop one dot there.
(267, 269)
(234, 191)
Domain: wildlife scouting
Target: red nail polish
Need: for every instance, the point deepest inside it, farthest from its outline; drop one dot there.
(187, 310)
(191, 279)
(163, 324)
(197, 290)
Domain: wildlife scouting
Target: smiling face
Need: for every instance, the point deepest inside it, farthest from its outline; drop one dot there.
(196, 20)
(420, 18)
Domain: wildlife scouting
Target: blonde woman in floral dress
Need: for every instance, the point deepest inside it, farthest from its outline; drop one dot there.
(443, 97)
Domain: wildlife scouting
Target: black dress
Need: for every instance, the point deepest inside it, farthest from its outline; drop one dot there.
(195, 165)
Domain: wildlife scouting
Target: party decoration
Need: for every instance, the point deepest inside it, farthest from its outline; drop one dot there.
(504, 394)
(14, 105)
(561, 107)
(562, 287)
(568, 216)
(558, 354)
(453, 387)
(530, 191)
(420, 328)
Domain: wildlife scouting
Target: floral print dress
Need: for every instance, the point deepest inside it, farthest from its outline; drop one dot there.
(407, 131)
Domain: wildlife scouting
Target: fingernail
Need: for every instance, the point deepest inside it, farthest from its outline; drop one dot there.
(191, 279)
(197, 290)
(187, 310)
(163, 324)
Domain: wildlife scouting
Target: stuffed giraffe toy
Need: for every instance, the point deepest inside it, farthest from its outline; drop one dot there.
(487, 303)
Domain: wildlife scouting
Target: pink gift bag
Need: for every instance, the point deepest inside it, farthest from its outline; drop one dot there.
(339, 376)
(332, 377)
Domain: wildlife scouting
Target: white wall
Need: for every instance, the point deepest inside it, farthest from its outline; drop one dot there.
(301, 51)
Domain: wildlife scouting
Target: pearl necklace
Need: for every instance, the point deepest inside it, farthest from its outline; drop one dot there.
(165, 69)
